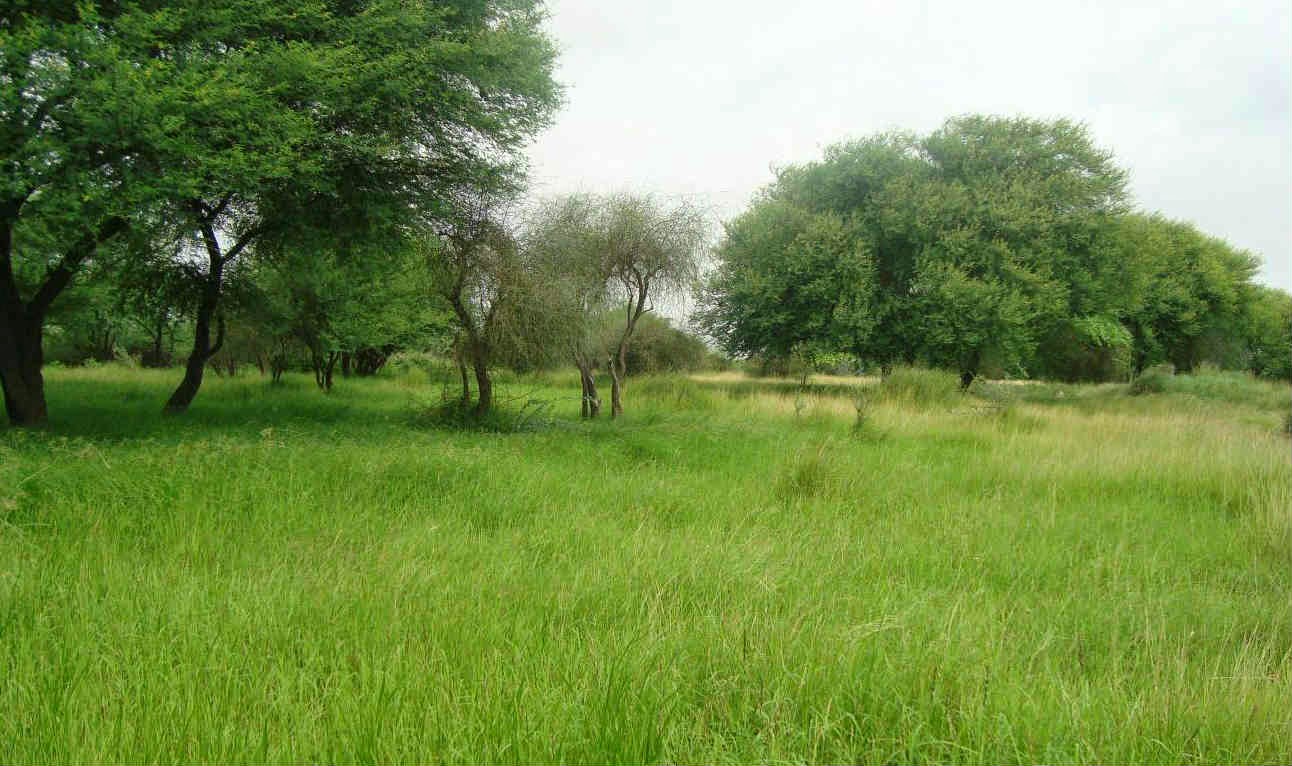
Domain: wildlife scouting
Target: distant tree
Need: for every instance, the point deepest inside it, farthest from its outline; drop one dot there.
(660, 347)
(1269, 333)
(334, 304)
(615, 255)
(971, 244)
(566, 246)
(652, 252)
(1192, 307)
(789, 278)
(481, 272)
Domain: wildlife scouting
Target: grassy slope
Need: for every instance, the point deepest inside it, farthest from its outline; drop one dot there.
(284, 576)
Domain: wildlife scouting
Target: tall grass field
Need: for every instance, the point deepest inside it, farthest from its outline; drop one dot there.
(734, 572)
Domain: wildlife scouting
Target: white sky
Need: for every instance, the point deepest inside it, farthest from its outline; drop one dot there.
(703, 97)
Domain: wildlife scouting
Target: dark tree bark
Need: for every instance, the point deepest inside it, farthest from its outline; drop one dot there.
(591, 404)
(370, 360)
(345, 364)
(208, 306)
(21, 358)
(484, 384)
(969, 369)
(639, 291)
(203, 346)
(459, 357)
(22, 322)
(324, 367)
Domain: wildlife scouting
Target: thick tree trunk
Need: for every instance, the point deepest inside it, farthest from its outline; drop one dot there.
(21, 357)
(484, 385)
(22, 322)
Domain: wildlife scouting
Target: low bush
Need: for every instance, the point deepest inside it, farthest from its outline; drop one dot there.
(915, 385)
(1154, 380)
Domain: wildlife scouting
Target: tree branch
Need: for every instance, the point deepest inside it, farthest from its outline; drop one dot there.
(60, 276)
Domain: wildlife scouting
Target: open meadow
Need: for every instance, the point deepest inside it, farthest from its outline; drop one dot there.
(733, 572)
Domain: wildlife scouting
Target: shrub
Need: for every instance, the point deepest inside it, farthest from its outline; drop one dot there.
(921, 386)
(1154, 380)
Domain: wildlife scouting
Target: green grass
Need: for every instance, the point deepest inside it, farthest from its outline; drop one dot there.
(725, 575)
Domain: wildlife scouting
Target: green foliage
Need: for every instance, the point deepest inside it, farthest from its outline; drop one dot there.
(229, 129)
(993, 245)
(1154, 380)
(1191, 309)
(658, 346)
(1270, 333)
(1097, 348)
(920, 386)
(957, 248)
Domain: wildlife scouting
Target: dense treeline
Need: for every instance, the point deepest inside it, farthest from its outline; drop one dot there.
(257, 183)
(172, 157)
(992, 245)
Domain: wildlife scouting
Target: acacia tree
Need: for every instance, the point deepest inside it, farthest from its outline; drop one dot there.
(618, 253)
(979, 240)
(562, 239)
(815, 285)
(652, 252)
(476, 270)
(65, 177)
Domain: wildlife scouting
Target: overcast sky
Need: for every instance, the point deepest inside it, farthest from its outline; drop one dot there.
(702, 97)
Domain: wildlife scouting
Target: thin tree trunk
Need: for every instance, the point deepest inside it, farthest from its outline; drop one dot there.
(158, 333)
(328, 370)
(591, 404)
(203, 348)
(616, 387)
(466, 378)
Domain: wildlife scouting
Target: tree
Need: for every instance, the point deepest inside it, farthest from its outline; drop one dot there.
(259, 120)
(652, 252)
(1269, 333)
(970, 244)
(335, 305)
(562, 238)
(478, 271)
(788, 279)
(66, 140)
(1192, 307)
(611, 254)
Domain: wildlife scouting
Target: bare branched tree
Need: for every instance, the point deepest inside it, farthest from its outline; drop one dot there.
(614, 253)
(653, 252)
